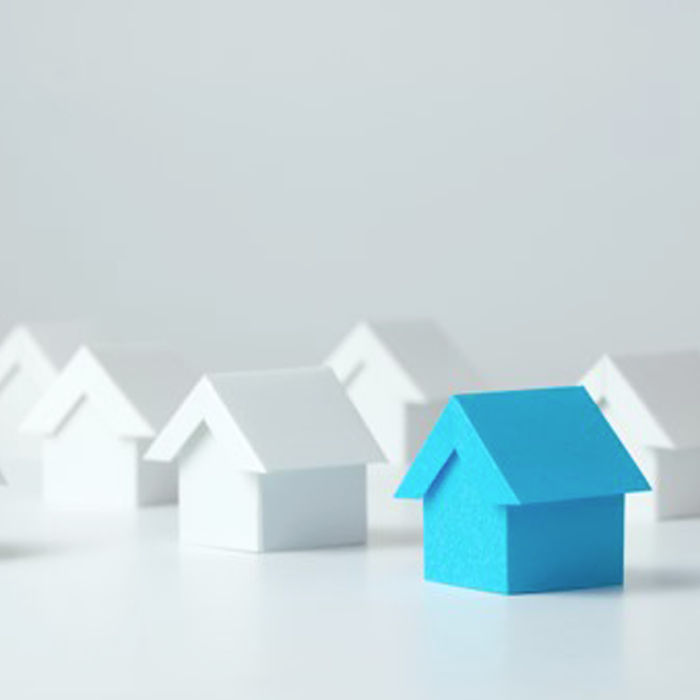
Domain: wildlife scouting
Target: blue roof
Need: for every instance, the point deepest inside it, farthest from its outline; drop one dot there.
(533, 446)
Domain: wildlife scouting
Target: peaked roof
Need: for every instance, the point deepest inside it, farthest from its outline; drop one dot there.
(656, 395)
(431, 365)
(272, 421)
(530, 446)
(136, 388)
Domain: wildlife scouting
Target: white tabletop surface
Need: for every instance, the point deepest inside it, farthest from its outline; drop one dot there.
(102, 606)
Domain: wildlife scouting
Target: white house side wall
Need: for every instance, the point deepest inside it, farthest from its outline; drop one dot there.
(219, 502)
(86, 465)
(311, 508)
(157, 481)
(677, 483)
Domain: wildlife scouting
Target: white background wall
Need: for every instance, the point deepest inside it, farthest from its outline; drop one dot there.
(248, 178)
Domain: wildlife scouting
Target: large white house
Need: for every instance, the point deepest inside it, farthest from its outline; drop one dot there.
(269, 461)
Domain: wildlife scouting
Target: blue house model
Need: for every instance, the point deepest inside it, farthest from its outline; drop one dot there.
(523, 491)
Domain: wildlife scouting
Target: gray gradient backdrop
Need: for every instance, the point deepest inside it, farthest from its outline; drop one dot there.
(246, 179)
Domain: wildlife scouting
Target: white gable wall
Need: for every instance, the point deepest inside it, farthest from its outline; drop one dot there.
(642, 506)
(384, 416)
(219, 503)
(399, 427)
(391, 406)
(363, 355)
(640, 424)
(86, 465)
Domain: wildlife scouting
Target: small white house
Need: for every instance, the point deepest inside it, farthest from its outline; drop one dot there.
(653, 403)
(96, 420)
(400, 374)
(31, 356)
(269, 461)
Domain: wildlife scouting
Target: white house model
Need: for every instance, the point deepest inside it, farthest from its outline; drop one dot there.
(31, 356)
(653, 403)
(96, 420)
(399, 375)
(269, 461)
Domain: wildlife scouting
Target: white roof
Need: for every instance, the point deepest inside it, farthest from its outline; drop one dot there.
(273, 421)
(657, 395)
(428, 364)
(136, 388)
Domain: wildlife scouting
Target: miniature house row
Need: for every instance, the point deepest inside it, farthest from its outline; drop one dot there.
(31, 358)
(260, 461)
(399, 375)
(522, 491)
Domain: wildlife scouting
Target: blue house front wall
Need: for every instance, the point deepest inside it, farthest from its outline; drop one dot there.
(572, 544)
(465, 538)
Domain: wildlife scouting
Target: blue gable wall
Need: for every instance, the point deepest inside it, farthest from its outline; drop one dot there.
(465, 536)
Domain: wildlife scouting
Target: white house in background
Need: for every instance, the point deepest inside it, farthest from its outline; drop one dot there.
(31, 356)
(653, 403)
(269, 461)
(96, 420)
(400, 374)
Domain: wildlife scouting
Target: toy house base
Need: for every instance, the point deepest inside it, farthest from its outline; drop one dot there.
(549, 588)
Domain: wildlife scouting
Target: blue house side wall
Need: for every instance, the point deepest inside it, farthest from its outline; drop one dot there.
(573, 544)
(464, 537)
